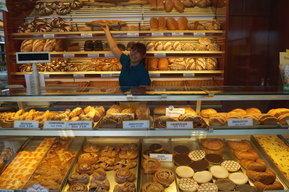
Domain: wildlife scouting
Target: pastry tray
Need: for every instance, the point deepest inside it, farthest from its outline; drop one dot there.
(115, 142)
(269, 161)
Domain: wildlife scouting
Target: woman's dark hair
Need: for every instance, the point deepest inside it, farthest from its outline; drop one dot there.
(139, 47)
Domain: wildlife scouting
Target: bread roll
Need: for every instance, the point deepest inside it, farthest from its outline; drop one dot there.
(190, 63)
(178, 66)
(168, 5)
(26, 45)
(162, 23)
(179, 5)
(205, 41)
(212, 25)
(262, 187)
(153, 64)
(208, 112)
(211, 63)
(160, 110)
(153, 4)
(154, 24)
(151, 46)
(38, 45)
(196, 26)
(49, 45)
(176, 46)
(160, 5)
(172, 24)
(200, 64)
(159, 46)
(189, 3)
(213, 47)
(167, 46)
(187, 47)
(199, 47)
(163, 64)
(182, 23)
(268, 177)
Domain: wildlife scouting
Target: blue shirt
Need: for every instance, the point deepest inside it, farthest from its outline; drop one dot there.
(132, 76)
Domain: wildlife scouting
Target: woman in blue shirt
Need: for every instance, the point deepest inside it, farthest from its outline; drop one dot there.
(133, 73)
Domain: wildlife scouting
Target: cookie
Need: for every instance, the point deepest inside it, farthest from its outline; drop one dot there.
(184, 171)
(238, 178)
(246, 188)
(225, 184)
(199, 165)
(203, 176)
(219, 172)
(208, 187)
(181, 149)
(188, 185)
(231, 165)
(214, 158)
(182, 159)
(197, 155)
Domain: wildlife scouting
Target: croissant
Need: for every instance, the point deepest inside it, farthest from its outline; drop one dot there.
(75, 112)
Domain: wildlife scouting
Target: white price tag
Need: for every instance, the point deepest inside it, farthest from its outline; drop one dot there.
(157, 34)
(93, 55)
(79, 125)
(160, 55)
(175, 112)
(108, 55)
(240, 122)
(26, 124)
(133, 34)
(54, 125)
(48, 36)
(177, 34)
(155, 75)
(136, 124)
(68, 55)
(189, 75)
(199, 34)
(78, 75)
(180, 125)
(106, 75)
(86, 35)
(6, 190)
(162, 157)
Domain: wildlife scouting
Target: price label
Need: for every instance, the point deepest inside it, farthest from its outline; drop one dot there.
(240, 122)
(6, 190)
(189, 75)
(105, 75)
(177, 34)
(160, 55)
(68, 55)
(48, 36)
(162, 157)
(93, 55)
(175, 112)
(155, 75)
(37, 188)
(180, 125)
(78, 75)
(108, 55)
(26, 124)
(79, 124)
(136, 124)
(133, 34)
(199, 34)
(54, 125)
(157, 34)
(87, 35)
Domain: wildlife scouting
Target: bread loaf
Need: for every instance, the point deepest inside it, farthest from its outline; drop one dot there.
(153, 64)
(213, 47)
(200, 47)
(205, 41)
(153, 4)
(172, 24)
(176, 46)
(151, 46)
(167, 46)
(162, 23)
(179, 5)
(154, 24)
(189, 3)
(196, 26)
(168, 5)
(212, 25)
(160, 5)
(182, 23)
(211, 63)
(49, 45)
(163, 64)
(26, 45)
(59, 45)
(38, 45)
(178, 66)
(190, 64)
(158, 46)
(203, 3)
(187, 47)
(200, 64)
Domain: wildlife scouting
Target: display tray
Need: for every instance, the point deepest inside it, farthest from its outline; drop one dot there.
(106, 162)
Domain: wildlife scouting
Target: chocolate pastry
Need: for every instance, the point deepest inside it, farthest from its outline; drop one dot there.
(125, 163)
(88, 45)
(225, 184)
(126, 187)
(78, 178)
(182, 159)
(156, 147)
(146, 153)
(98, 175)
(214, 158)
(98, 45)
(181, 149)
(199, 165)
(91, 148)
(246, 188)
(89, 158)
(99, 186)
(77, 187)
(84, 168)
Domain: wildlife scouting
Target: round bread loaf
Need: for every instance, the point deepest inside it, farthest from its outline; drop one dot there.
(172, 24)
(200, 64)
(159, 46)
(176, 46)
(182, 23)
(211, 63)
(163, 64)
(154, 24)
(162, 23)
(167, 46)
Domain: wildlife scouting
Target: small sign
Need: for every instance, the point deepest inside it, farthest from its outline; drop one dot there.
(180, 125)
(108, 55)
(93, 55)
(136, 124)
(155, 75)
(199, 34)
(86, 35)
(6, 190)
(160, 55)
(26, 124)
(54, 125)
(48, 36)
(106, 75)
(32, 57)
(175, 112)
(157, 34)
(162, 157)
(78, 75)
(240, 122)
(177, 34)
(189, 75)
(79, 125)
(133, 34)
(68, 55)
(37, 188)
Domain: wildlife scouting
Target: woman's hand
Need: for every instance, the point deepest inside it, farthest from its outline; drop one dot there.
(106, 29)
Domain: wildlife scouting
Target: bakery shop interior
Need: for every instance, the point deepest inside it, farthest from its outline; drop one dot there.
(144, 95)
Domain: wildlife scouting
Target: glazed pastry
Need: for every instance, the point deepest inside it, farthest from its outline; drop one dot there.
(262, 187)
(164, 176)
(243, 145)
(109, 151)
(125, 163)
(179, 5)
(84, 168)
(27, 45)
(268, 177)
(152, 187)
(102, 186)
(208, 112)
(124, 175)
(182, 23)
(212, 144)
(91, 148)
(168, 5)
(126, 187)
(251, 154)
(78, 178)
(98, 175)
(77, 187)
(151, 165)
(162, 23)
(257, 165)
(172, 24)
